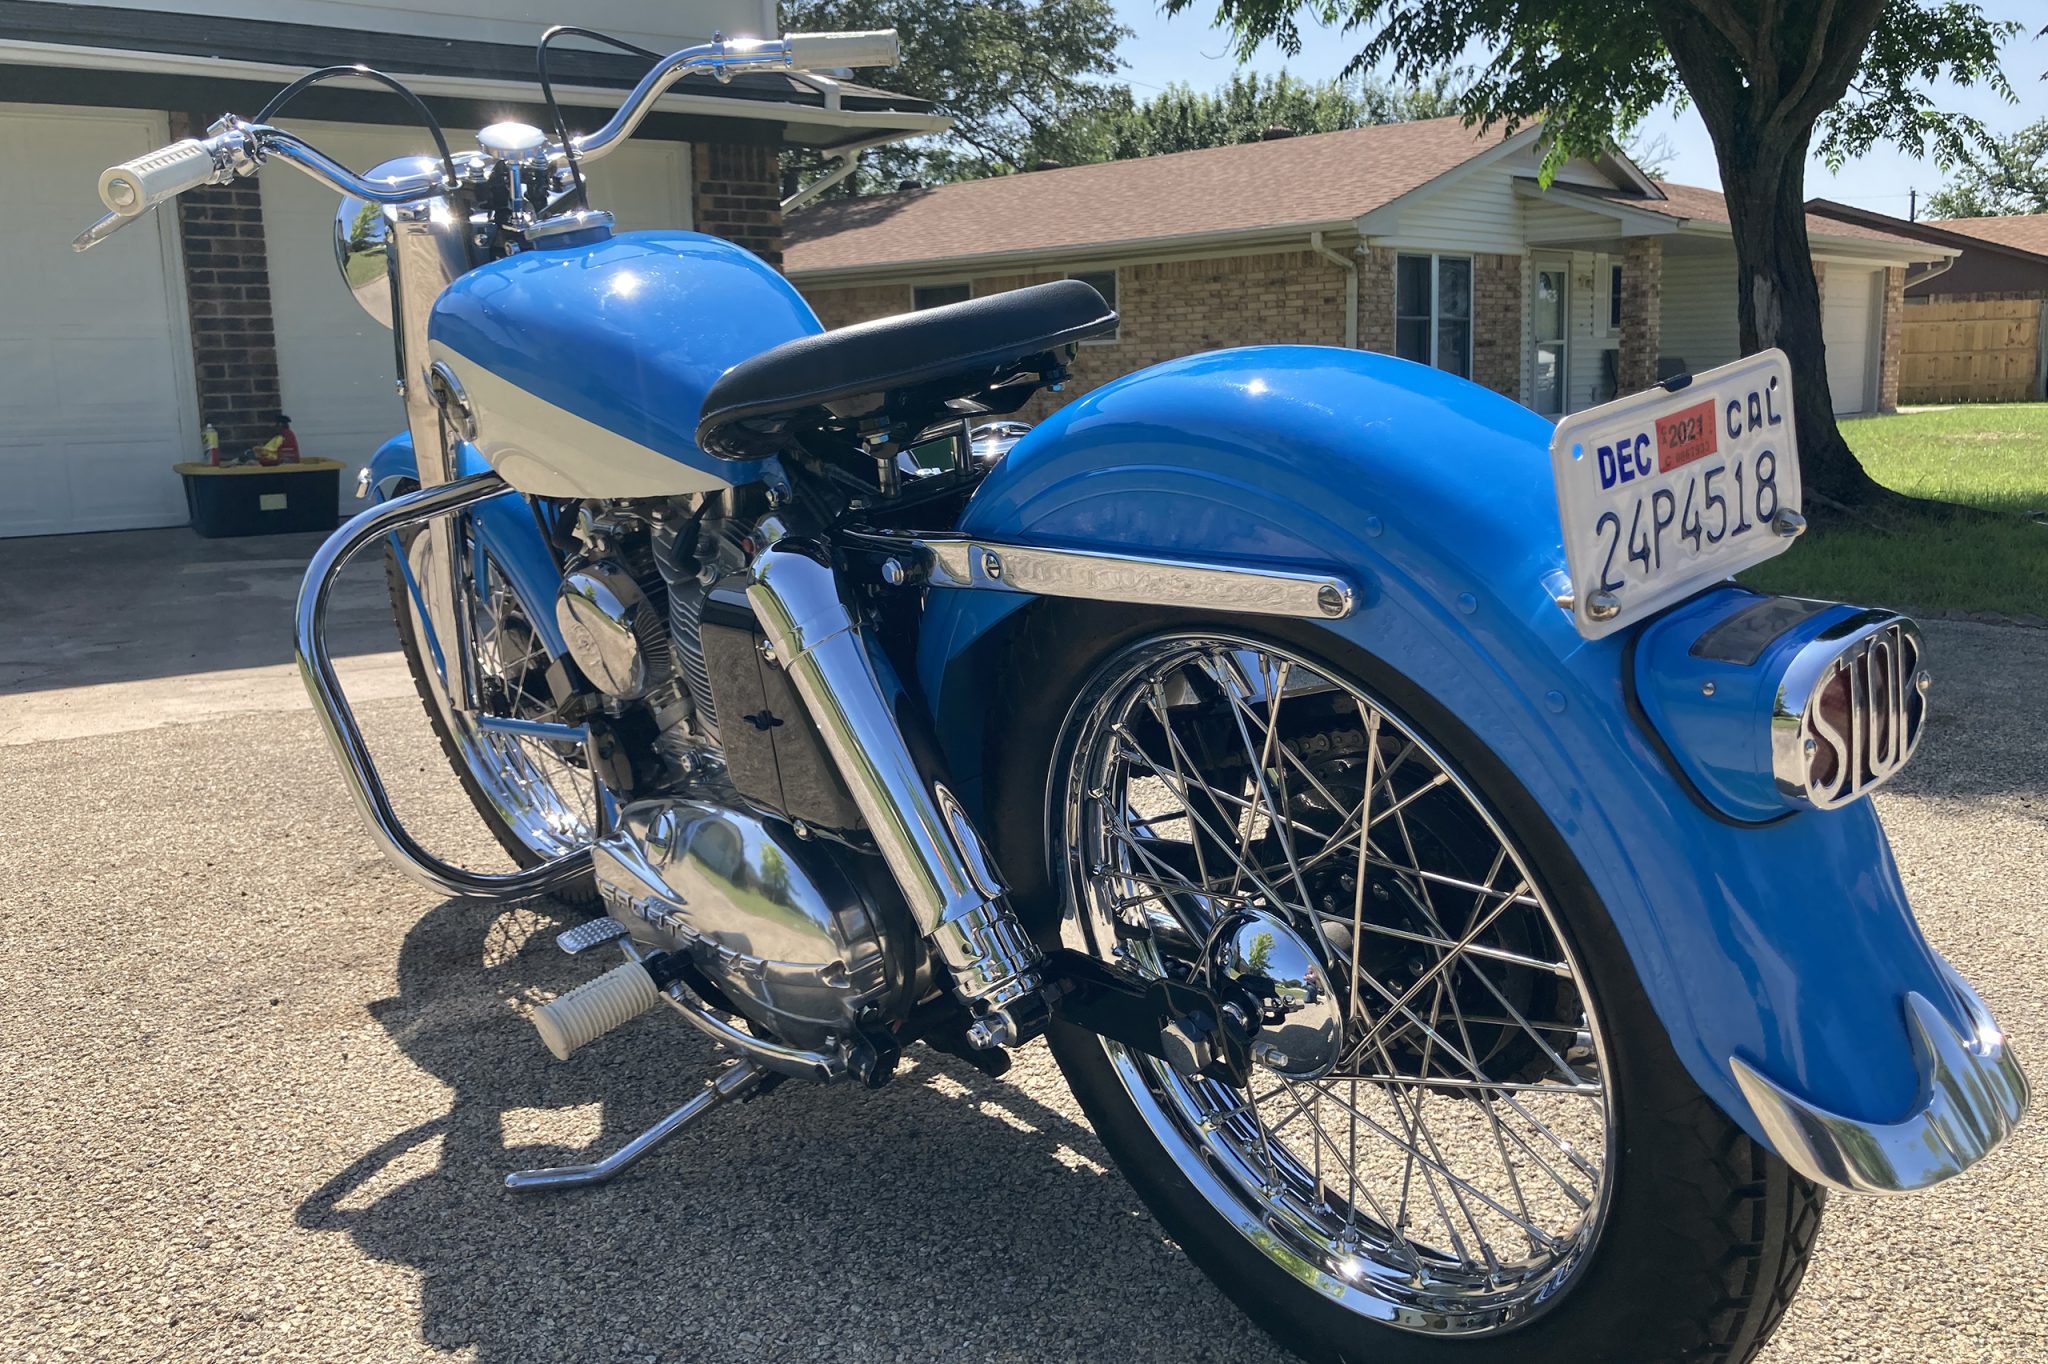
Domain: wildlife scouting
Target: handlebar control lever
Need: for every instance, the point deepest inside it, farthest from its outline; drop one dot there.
(134, 187)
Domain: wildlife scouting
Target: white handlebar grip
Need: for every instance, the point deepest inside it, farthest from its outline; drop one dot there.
(135, 187)
(828, 51)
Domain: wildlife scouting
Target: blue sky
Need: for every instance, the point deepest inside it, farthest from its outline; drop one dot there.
(1187, 48)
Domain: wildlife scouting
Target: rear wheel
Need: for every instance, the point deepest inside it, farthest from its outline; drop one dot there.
(538, 799)
(1499, 1147)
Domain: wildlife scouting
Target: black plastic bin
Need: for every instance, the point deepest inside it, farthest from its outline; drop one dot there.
(257, 499)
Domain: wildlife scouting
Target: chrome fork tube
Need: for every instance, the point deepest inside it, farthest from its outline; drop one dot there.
(425, 254)
(924, 835)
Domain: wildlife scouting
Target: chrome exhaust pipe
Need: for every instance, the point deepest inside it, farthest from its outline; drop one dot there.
(930, 845)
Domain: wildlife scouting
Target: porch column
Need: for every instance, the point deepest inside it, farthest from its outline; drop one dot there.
(739, 196)
(227, 289)
(1894, 339)
(1642, 311)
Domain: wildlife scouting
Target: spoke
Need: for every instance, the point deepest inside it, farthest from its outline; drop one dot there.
(1549, 1242)
(1555, 968)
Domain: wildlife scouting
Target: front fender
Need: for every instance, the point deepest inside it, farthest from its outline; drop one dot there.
(1788, 949)
(503, 527)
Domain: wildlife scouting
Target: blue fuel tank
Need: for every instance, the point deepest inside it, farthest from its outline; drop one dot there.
(586, 363)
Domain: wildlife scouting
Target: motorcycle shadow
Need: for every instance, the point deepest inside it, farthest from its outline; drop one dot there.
(946, 1216)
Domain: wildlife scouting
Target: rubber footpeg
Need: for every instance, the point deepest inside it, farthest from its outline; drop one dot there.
(595, 1008)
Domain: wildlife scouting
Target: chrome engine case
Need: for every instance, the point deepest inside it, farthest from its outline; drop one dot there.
(776, 921)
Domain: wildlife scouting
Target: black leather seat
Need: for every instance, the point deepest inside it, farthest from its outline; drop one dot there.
(908, 367)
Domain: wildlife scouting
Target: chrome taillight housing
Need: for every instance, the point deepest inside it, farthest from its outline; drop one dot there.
(1770, 705)
(1849, 710)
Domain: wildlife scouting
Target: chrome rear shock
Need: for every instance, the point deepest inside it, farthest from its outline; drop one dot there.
(925, 836)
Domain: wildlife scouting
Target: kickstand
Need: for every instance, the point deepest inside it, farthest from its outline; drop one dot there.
(737, 1082)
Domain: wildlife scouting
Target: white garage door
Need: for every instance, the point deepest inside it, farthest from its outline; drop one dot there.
(1849, 316)
(96, 395)
(335, 364)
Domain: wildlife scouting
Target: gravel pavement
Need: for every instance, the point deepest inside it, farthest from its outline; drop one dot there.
(257, 1092)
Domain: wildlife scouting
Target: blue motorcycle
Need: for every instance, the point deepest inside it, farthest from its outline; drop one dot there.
(1456, 904)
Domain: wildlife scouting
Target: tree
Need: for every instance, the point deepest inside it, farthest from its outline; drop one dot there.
(2013, 178)
(1181, 118)
(1010, 73)
(1768, 78)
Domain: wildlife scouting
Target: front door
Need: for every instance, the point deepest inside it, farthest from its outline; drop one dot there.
(1548, 321)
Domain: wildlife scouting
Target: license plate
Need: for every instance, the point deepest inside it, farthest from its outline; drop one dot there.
(1663, 492)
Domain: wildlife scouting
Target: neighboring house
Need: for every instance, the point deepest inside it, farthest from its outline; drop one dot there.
(1419, 239)
(1975, 329)
(229, 307)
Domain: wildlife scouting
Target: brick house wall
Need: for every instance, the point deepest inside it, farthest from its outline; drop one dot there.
(227, 290)
(227, 295)
(737, 195)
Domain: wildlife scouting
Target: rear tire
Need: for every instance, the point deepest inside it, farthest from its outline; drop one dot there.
(582, 894)
(1704, 1234)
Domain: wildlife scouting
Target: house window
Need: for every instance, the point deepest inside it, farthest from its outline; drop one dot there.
(1433, 311)
(1614, 299)
(937, 295)
(1104, 283)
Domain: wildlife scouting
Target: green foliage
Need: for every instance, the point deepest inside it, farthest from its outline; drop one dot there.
(2011, 178)
(1011, 73)
(1181, 119)
(1855, 71)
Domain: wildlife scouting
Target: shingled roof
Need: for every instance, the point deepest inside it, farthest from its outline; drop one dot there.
(1693, 203)
(1323, 180)
(2022, 231)
(1326, 179)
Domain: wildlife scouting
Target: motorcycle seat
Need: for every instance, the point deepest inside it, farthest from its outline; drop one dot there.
(910, 368)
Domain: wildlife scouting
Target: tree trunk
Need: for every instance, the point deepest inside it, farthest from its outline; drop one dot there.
(1778, 299)
(1759, 84)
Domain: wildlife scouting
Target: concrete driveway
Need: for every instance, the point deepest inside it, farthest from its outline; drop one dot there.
(257, 1091)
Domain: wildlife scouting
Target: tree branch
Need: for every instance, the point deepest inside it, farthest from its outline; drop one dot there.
(1729, 25)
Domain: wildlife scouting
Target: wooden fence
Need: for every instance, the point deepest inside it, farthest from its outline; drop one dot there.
(1990, 352)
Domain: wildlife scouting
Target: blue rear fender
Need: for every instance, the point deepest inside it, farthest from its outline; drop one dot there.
(1789, 945)
(503, 526)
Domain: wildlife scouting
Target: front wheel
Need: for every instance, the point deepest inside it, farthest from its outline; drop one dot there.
(1477, 1133)
(538, 798)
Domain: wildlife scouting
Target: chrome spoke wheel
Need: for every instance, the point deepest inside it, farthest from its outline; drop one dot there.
(543, 792)
(1438, 1157)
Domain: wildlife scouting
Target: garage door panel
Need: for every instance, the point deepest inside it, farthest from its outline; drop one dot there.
(28, 378)
(1848, 323)
(95, 377)
(38, 488)
(111, 380)
(120, 483)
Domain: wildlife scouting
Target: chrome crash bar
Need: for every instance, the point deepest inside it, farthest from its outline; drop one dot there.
(346, 738)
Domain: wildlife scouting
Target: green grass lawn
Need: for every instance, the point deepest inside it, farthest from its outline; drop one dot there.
(1989, 456)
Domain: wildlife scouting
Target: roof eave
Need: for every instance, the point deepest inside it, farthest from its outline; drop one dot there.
(1634, 222)
(1137, 248)
(808, 116)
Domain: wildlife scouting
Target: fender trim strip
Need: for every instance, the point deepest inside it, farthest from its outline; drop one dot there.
(1149, 580)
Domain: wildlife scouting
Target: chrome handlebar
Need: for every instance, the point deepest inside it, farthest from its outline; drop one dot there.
(236, 148)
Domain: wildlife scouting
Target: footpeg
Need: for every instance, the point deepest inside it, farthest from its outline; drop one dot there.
(592, 933)
(736, 1082)
(595, 1008)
